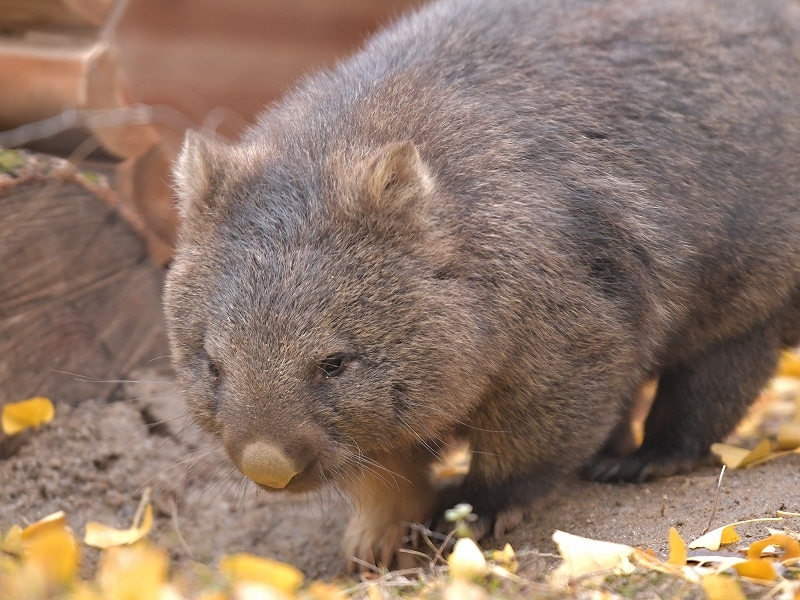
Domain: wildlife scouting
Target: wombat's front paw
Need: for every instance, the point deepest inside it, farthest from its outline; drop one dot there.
(640, 466)
(370, 540)
(387, 500)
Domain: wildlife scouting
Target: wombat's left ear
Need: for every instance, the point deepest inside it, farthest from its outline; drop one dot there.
(193, 170)
(395, 178)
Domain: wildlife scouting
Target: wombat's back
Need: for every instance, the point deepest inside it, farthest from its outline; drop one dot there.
(666, 132)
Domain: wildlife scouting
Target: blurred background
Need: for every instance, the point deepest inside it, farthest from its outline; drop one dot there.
(95, 96)
(171, 64)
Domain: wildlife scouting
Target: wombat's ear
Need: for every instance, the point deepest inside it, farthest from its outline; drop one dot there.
(396, 177)
(192, 172)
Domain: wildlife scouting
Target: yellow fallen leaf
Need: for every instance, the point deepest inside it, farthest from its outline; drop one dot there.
(761, 569)
(715, 538)
(582, 556)
(48, 547)
(56, 554)
(132, 572)
(677, 548)
(734, 457)
(83, 591)
(57, 520)
(12, 543)
(789, 365)
(722, 536)
(466, 561)
(98, 535)
(506, 558)
(252, 590)
(791, 547)
(722, 587)
(773, 456)
(18, 416)
(102, 536)
(325, 591)
(789, 436)
(258, 569)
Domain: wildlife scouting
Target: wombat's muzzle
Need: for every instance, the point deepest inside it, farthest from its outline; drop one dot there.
(270, 463)
(267, 465)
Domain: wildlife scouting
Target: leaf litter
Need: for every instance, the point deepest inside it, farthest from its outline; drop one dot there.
(42, 560)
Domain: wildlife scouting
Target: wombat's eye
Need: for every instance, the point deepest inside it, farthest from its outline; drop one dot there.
(332, 366)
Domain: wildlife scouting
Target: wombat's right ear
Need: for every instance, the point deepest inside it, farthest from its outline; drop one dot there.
(396, 178)
(192, 171)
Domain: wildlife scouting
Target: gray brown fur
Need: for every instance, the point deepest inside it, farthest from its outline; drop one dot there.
(590, 194)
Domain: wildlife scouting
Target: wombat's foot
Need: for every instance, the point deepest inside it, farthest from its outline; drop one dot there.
(640, 466)
(697, 404)
(387, 501)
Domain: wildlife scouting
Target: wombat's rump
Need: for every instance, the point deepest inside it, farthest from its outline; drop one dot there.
(497, 222)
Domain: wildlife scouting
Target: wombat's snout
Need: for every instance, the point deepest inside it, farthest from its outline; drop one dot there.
(267, 464)
(270, 461)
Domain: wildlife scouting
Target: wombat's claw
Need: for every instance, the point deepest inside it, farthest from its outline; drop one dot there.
(498, 524)
(366, 546)
(639, 467)
(507, 520)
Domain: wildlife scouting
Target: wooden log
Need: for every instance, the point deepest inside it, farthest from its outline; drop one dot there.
(23, 15)
(40, 81)
(79, 300)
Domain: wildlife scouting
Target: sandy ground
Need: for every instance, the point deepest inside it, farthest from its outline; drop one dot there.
(94, 461)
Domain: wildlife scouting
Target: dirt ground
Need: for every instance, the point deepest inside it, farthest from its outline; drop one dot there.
(94, 461)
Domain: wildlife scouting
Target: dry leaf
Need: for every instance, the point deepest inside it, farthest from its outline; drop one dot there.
(466, 561)
(715, 538)
(55, 553)
(791, 547)
(12, 543)
(722, 536)
(18, 416)
(789, 436)
(325, 591)
(57, 520)
(253, 590)
(734, 457)
(258, 569)
(133, 573)
(102, 536)
(677, 548)
(722, 587)
(789, 365)
(761, 569)
(582, 556)
(506, 558)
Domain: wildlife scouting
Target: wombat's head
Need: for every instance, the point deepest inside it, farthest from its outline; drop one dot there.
(316, 308)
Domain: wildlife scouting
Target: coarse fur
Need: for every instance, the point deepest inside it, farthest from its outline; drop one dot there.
(498, 222)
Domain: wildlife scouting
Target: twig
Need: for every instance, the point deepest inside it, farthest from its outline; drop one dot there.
(716, 502)
(364, 563)
(145, 500)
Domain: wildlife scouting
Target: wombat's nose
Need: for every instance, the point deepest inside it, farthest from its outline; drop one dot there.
(267, 465)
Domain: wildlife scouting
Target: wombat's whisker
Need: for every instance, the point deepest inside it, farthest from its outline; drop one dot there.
(89, 379)
(169, 468)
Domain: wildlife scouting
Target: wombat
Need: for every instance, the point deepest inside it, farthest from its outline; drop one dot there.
(497, 222)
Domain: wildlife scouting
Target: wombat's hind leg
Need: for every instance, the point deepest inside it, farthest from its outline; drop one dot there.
(697, 403)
